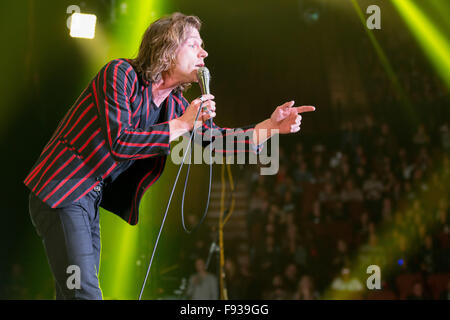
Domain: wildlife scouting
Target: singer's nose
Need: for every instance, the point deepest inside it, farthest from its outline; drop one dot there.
(203, 54)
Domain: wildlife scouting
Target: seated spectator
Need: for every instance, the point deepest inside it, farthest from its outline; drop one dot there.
(445, 136)
(328, 198)
(437, 187)
(318, 168)
(267, 257)
(427, 256)
(445, 167)
(423, 159)
(336, 160)
(277, 289)
(302, 174)
(306, 289)
(360, 158)
(418, 180)
(345, 283)
(418, 292)
(368, 131)
(349, 136)
(341, 257)
(385, 140)
(290, 277)
(300, 255)
(360, 175)
(344, 171)
(405, 170)
(339, 213)
(362, 228)
(389, 183)
(351, 193)
(445, 295)
(235, 290)
(372, 253)
(288, 202)
(373, 190)
(316, 216)
(280, 180)
(421, 137)
(386, 210)
(442, 215)
(400, 253)
(273, 215)
(289, 241)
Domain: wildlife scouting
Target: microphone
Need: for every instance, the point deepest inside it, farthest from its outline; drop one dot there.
(203, 77)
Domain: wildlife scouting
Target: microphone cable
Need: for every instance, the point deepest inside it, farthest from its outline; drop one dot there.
(209, 189)
(184, 191)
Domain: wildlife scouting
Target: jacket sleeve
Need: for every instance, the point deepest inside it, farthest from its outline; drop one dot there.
(113, 88)
(225, 140)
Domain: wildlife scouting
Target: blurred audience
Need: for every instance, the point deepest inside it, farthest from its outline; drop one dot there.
(202, 285)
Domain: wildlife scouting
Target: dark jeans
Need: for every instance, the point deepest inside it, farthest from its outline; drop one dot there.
(71, 237)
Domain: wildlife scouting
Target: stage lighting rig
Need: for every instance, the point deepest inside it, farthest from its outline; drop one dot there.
(83, 25)
(84, 16)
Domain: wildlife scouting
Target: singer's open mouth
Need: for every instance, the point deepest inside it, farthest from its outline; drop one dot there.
(200, 65)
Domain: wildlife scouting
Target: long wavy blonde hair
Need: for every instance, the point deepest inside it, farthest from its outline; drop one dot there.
(159, 45)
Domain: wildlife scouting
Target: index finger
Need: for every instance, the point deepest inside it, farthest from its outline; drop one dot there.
(305, 109)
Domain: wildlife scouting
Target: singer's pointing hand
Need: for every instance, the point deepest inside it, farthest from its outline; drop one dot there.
(287, 119)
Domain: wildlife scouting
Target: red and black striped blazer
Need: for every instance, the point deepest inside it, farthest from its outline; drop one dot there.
(104, 127)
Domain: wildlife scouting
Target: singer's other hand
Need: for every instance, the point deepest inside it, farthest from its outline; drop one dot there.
(287, 119)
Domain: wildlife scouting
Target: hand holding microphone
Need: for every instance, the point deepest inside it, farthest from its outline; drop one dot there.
(185, 123)
(207, 112)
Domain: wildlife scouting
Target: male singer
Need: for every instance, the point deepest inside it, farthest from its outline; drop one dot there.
(112, 145)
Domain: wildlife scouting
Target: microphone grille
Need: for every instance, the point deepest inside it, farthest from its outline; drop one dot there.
(203, 73)
(203, 78)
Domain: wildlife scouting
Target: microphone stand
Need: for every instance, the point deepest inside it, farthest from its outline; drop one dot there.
(212, 248)
(220, 273)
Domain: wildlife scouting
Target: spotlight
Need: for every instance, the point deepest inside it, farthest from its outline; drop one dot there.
(83, 25)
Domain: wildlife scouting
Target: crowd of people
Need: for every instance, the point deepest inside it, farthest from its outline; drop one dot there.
(372, 191)
(330, 211)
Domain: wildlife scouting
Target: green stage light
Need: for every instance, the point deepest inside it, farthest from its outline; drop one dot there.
(391, 256)
(119, 278)
(405, 103)
(397, 245)
(439, 8)
(432, 41)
